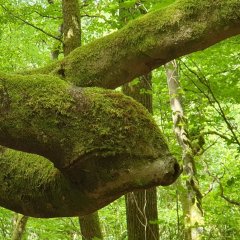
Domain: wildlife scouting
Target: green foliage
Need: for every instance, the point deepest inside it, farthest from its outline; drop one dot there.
(161, 4)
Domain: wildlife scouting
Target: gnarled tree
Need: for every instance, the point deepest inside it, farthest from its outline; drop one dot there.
(97, 144)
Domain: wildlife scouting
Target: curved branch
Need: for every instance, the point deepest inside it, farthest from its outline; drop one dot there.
(150, 41)
(32, 186)
(105, 143)
(222, 195)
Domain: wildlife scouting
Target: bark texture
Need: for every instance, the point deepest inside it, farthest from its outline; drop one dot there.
(20, 222)
(71, 25)
(192, 198)
(141, 214)
(141, 206)
(90, 227)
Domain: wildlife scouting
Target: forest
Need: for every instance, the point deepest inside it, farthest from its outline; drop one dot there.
(119, 119)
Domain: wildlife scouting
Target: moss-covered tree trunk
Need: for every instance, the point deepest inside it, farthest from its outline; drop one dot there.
(19, 225)
(141, 206)
(191, 196)
(89, 225)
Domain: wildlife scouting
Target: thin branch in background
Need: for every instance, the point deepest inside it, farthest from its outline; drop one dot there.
(221, 135)
(30, 24)
(218, 180)
(214, 178)
(204, 81)
(47, 16)
(210, 188)
(94, 16)
(229, 200)
(208, 147)
(85, 4)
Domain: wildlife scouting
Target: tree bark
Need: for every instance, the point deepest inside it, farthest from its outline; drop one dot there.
(71, 25)
(142, 215)
(20, 222)
(90, 227)
(141, 207)
(191, 196)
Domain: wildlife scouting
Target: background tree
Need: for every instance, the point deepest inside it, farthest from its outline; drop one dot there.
(191, 196)
(141, 206)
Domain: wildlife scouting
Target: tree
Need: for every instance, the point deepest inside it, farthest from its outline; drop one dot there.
(45, 111)
(89, 225)
(20, 222)
(141, 206)
(191, 196)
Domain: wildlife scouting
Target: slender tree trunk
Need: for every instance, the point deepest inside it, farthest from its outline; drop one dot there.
(191, 195)
(71, 25)
(19, 225)
(89, 225)
(141, 207)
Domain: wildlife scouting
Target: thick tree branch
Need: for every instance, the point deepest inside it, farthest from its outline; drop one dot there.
(150, 41)
(47, 116)
(32, 186)
(105, 143)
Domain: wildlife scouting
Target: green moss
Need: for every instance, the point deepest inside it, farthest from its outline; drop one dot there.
(90, 134)
(64, 123)
(31, 185)
(148, 42)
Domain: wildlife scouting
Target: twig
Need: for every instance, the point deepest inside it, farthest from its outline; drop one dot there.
(204, 81)
(222, 195)
(30, 24)
(47, 16)
(231, 201)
